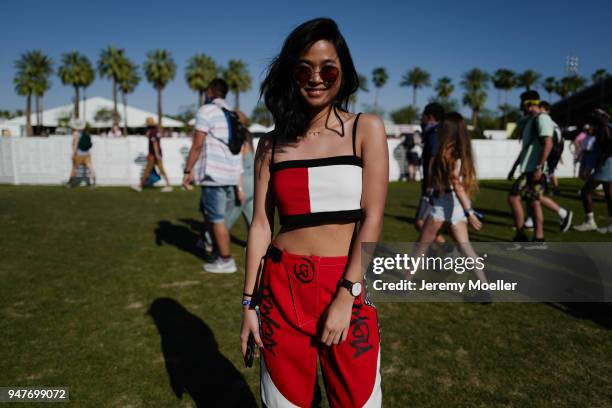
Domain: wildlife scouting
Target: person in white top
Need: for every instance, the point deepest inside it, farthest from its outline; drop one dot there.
(212, 165)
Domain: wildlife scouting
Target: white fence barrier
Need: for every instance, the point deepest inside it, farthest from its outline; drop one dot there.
(120, 161)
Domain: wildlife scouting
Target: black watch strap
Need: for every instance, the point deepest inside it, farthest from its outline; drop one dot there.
(348, 285)
(345, 283)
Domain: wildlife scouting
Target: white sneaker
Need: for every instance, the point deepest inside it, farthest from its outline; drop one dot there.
(605, 230)
(566, 222)
(586, 226)
(136, 188)
(167, 189)
(221, 266)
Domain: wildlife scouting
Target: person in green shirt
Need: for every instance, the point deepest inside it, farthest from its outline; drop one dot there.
(536, 134)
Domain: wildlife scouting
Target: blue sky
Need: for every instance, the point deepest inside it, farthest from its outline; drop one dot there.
(443, 37)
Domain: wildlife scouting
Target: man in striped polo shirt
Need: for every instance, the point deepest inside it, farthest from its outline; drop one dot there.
(212, 165)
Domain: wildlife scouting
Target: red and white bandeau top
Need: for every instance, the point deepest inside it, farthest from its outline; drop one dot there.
(314, 191)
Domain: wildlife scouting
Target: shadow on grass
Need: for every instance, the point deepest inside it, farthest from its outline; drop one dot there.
(401, 218)
(599, 313)
(566, 278)
(504, 187)
(498, 213)
(195, 225)
(198, 227)
(412, 206)
(193, 360)
(180, 236)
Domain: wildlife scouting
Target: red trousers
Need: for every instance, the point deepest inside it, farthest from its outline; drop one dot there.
(296, 292)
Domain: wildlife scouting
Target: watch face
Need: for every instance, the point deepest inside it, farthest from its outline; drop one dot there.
(356, 289)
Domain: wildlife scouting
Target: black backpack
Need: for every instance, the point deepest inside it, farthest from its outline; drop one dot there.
(409, 141)
(237, 133)
(84, 142)
(558, 142)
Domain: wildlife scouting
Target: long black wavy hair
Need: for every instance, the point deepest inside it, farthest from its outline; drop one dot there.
(281, 92)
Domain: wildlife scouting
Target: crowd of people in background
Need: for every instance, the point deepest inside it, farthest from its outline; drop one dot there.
(227, 178)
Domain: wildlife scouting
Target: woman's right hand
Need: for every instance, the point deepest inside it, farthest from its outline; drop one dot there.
(250, 324)
(475, 222)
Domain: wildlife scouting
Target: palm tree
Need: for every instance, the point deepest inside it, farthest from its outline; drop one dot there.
(363, 87)
(416, 78)
(379, 79)
(42, 86)
(76, 71)
(363, 83)
(128, 81)
(238, 79)
(160, 69)
(89, 75)
(109, 66)
(549, 84)
(32, 78)
(24, 86)
(562, 87)
(444, 88)
(44, 68)
(528, 79)
(475, 82)
(261, 115)
(599, 75)
(575, 83)
(503, 80)
(200, 70)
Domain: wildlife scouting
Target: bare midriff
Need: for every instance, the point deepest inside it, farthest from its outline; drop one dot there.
(320, 240)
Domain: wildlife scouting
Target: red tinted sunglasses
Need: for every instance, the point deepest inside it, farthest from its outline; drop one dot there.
(329, 74)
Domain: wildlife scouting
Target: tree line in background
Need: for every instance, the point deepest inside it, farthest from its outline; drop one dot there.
(475, 84)
(34, 70)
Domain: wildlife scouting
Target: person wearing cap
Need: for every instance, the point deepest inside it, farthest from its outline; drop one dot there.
(213, 166)
(154, 158)
(81, 156)
(565, 215)
(536, 137)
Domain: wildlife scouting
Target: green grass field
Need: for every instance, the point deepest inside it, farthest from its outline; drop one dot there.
(81, 269)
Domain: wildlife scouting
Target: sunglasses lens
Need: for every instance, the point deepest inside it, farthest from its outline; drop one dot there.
(302, 74)
(329, 74)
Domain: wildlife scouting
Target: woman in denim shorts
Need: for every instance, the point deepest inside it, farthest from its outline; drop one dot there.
(453, 180)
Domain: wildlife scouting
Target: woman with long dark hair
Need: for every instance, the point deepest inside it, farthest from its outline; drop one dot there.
(454, 183)
(326, 172)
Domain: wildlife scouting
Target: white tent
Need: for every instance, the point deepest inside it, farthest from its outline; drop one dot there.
(89, 107)
(257, 128)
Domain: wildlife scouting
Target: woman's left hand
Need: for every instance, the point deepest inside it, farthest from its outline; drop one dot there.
(337, 318)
